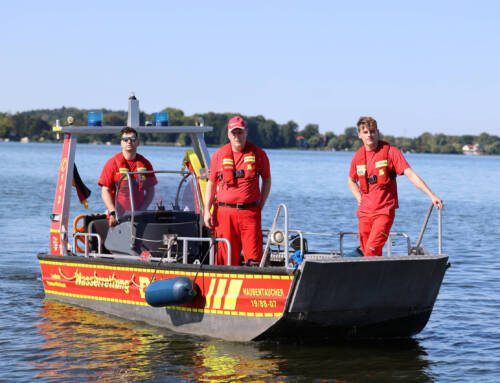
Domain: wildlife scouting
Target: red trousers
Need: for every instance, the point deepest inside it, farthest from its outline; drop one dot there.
(243, 230)
(374, 231)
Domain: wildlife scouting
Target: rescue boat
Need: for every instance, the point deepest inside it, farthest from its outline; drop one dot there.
(157, 265)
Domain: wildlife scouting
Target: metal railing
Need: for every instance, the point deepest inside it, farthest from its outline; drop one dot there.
(171, 240)
(280, 237)
(277, 237)
(86, 241)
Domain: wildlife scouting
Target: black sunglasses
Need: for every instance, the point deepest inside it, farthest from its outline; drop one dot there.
(126, 139)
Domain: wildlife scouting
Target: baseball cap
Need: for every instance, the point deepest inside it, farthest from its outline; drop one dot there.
(236, 123)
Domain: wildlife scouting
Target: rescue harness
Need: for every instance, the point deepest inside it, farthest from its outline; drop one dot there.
(229, 173)
(384, 168)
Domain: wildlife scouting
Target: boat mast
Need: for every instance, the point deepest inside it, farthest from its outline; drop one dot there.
(60, 212)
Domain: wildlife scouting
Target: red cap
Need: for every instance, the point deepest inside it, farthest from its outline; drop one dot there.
(236, 123)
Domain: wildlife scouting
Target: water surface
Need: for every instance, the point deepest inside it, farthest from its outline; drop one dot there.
(51, 342)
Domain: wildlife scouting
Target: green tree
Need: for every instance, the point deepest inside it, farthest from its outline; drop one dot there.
(287, 134)
(309, 131)
(333, 143)
(5, 125)
(484, 139)
(114, 119)
(389, 139)
(449, 149)
(269, 134)
(253, 124)
(468, 139)
(494, 148)
(350, 137)
(315, 141)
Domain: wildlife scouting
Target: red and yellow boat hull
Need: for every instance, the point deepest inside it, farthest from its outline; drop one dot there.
(226, 300)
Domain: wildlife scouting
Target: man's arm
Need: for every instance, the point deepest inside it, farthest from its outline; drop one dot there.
(209, 200)
(353, 186)
(109, 203)
(420, 184)
(107, 198)
(264, 193)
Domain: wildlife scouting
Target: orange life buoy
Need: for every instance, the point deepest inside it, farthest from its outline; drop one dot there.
(80, 229)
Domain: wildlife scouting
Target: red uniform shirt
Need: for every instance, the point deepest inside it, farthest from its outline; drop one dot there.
(380, 198)
(246, 190)
(111, 175)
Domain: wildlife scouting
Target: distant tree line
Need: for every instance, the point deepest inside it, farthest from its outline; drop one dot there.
(37, 126)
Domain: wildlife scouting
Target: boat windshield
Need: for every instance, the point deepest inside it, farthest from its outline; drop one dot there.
(156, 191)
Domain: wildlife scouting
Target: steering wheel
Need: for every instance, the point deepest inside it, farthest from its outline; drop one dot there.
(80, 229)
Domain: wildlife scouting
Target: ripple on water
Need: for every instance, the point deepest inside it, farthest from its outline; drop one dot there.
(49, 341)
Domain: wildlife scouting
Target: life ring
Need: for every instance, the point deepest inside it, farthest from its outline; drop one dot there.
(80, 229)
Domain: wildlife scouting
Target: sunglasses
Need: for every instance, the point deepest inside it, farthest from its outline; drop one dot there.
(127, 139)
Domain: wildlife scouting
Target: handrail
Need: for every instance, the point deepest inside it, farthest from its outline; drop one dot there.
(186, 240)
(283, 207)
(341, 240)
(419, 239)
(389, 243)
(440, 238)
(86, 235)
(424, 226)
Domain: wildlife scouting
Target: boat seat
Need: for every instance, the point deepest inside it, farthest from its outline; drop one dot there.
(98, 226)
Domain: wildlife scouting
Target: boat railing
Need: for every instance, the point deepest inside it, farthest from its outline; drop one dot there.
(424, 226)
(168, 240)
(280, 237)
(277, 237)
(86, 237)
(389, 242)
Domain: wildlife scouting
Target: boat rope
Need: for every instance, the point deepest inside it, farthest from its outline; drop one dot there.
(170, 244)
(212, 242)
(147, 240)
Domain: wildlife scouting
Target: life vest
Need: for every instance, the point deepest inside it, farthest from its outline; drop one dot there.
(384, 170)
(229, 173)
(122, 186)
(122, 167)
(122, 196)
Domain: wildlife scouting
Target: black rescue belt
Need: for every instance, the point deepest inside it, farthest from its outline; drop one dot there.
(237, 174)
(373, 179)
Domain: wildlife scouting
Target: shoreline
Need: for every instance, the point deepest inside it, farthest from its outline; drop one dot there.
(174, 145)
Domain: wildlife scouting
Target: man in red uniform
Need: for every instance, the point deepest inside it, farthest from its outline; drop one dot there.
(128, 160)
(372, 181)
(234, 187)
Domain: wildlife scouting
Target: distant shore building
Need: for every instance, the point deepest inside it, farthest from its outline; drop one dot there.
(301, 141)
(474, 150)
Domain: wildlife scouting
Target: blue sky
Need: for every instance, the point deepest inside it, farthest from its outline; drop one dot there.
(426, 66)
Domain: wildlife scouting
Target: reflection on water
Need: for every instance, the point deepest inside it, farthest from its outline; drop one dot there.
(88, 346)
(92, 346)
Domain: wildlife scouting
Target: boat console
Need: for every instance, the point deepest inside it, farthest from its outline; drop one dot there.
(171, 210)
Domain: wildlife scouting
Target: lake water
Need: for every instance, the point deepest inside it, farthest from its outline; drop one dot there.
(51, 342)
